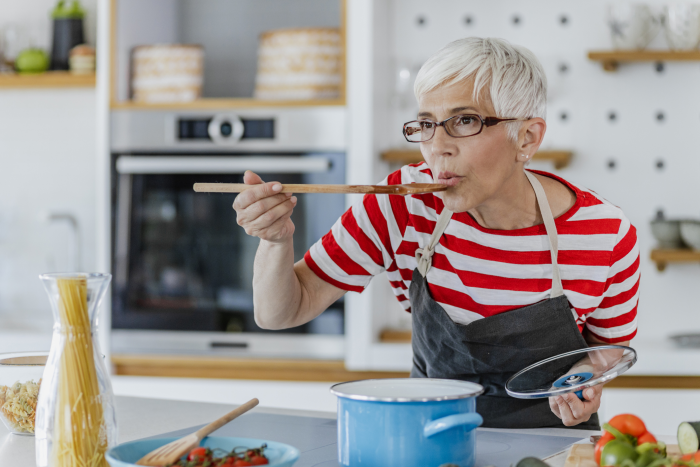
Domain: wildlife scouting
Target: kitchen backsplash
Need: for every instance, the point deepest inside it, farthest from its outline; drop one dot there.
(633, 132)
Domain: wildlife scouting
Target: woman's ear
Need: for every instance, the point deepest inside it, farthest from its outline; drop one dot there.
(531, 135)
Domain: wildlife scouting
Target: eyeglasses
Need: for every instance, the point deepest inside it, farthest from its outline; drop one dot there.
(459, 126)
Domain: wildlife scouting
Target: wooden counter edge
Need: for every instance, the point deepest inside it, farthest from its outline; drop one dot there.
(242, 368)
(316, 370)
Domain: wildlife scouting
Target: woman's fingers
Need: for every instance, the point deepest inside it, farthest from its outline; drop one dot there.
(263, 211)
(251, 178)
(572, 410)
(253, 195)
(259, 208)
(271, 216)
(554, 406)
(280, 229)
(565, 413)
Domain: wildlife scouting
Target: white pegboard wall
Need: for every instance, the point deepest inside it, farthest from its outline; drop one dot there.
(633, 132)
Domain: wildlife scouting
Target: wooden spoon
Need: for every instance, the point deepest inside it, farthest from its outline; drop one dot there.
(171, 452)
(408, 189)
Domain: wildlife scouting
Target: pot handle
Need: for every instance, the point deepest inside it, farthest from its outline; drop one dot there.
(469, 420)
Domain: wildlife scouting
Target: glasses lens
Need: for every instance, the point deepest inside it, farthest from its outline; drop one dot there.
(418, 131)
(464, 125)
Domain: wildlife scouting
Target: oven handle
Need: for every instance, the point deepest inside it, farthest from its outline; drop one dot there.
(223, 165)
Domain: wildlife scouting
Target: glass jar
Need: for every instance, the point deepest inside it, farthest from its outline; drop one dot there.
(75, 417)
(20, 381)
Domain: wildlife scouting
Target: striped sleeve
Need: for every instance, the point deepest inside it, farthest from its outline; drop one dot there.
(362, 242)
(615, 318)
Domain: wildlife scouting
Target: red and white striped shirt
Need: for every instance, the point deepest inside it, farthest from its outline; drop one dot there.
(478, 272)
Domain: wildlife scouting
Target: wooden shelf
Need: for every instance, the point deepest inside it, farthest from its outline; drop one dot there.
(560, 159)
(663, 256)
(50, 79)
(613, 58)
(242, 368)
(233, 103)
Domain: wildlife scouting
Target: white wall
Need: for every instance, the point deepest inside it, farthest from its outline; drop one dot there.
(635, 140)
(47, 163)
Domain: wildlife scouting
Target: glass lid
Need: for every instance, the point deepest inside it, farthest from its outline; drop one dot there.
(571, 372)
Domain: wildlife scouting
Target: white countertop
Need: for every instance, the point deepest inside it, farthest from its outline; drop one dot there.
(140, 417)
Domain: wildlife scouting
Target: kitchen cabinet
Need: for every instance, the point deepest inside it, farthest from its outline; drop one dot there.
(229, 33)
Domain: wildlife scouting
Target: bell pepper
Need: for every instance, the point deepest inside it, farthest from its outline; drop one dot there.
(618, 453)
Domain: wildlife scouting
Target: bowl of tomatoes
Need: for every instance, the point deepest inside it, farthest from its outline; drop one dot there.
(212, 452)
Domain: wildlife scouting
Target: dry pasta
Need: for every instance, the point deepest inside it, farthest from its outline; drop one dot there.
(18, 405)
(80, 436)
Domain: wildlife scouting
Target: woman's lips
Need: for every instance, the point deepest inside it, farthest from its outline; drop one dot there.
(448, 178)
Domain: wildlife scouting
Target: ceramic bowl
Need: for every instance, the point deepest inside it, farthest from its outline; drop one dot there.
(632, 25)
(667, 233)
(126, 454)
(682, 26)
(690, 233)
(20, 378)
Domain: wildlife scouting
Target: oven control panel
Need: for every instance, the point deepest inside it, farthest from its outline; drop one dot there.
(225, 129)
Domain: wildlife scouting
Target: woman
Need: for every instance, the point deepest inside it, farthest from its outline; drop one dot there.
(504, 268)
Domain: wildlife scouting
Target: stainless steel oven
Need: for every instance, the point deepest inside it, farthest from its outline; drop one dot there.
(182, 267)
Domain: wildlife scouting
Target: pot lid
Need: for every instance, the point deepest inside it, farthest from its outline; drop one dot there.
(571, 371)
(406, 390)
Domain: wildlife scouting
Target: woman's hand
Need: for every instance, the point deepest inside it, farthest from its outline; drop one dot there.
(263, 211)
(572, 410)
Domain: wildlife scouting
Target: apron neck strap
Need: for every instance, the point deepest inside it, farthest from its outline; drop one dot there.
(424, 256)
(551, 228)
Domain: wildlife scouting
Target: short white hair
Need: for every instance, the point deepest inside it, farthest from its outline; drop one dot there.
(516, 81)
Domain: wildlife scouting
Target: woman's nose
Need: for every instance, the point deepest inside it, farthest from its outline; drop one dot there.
(442, 144)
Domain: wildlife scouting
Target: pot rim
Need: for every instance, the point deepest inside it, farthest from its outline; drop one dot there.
(359, 397)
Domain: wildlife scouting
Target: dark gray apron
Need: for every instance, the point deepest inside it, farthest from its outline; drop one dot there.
(490, 350)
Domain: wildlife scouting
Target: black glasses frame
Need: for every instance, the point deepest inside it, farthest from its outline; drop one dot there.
(485, 122)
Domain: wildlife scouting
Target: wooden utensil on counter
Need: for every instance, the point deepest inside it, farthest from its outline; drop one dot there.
(171, 452)
(408, 189)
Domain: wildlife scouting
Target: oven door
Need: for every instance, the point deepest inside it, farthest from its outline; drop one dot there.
(181, 262)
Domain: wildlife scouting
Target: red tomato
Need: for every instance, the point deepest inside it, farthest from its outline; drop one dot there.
(629, 424)
(241, 463)
(694, 457)
(601, 443)
(258, 460)
(197, 452)
(646, 438)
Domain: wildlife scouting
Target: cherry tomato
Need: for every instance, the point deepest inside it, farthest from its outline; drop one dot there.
(607, 436)
(646, 438)
(241, 463)
(258, 460)
(197, 452)
(629, 424)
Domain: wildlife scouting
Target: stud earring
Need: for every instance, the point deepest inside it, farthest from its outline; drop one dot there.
(526, 156)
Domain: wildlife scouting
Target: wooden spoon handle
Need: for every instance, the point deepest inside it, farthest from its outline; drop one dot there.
(292, 188)
(219, 422)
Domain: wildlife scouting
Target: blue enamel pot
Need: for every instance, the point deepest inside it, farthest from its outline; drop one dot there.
(407, 422)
